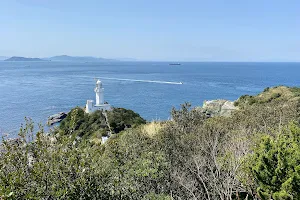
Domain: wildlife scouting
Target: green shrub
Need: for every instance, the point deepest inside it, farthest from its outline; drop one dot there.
(296, 91)
(266, 89)
(276, 165)
(121, 118)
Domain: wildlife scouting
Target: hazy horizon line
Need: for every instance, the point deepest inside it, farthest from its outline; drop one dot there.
(130, 59)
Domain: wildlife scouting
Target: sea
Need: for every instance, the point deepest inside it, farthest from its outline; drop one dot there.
(40, 89)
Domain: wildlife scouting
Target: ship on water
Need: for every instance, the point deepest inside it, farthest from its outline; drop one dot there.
(174, 64)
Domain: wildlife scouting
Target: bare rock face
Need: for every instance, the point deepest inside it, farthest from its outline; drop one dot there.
(56, 118)
(219, 107)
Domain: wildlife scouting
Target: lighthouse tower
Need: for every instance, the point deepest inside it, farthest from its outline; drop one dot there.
(99, 93)
(100, 105)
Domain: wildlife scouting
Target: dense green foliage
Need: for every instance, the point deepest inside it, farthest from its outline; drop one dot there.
(252, 154)
(276, 164)
(129, 166)
(81, 124)
(95, 125)
(279, 94)
(120, 118)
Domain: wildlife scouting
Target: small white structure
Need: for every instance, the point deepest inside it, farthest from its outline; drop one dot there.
(104, 139)
(100, 105)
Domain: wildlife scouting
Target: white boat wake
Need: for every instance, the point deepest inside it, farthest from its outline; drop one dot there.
(145, 81)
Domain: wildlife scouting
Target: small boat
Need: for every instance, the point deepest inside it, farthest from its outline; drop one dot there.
(174, 64)
(180, 82)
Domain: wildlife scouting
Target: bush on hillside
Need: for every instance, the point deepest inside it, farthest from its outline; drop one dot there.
(121, 118)
(130, 166)
(275, 165)
(79, 123)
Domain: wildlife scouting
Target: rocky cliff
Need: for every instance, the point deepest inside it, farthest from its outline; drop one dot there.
(219, 107)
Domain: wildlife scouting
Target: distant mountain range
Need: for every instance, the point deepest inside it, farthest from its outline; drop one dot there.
(62, 58)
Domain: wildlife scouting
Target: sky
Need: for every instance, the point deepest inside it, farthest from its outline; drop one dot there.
(157, 30)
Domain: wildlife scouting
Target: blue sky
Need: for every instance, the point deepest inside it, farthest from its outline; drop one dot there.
(184, 30)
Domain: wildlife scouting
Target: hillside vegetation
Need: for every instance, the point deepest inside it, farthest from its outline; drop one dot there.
(280, 93)
(98, 124)
(252, 154)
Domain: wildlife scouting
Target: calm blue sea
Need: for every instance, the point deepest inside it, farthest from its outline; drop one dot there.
(40, 89)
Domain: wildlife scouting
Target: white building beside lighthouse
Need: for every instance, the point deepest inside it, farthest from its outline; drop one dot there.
(100, 104)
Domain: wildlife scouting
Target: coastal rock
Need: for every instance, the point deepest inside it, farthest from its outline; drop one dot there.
(56, 118)
(219, 107)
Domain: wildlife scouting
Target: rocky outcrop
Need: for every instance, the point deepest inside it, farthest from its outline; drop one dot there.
(56, 118)
(219, 107)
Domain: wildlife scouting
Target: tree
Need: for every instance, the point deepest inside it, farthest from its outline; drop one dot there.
(202, 165)
(276, 164)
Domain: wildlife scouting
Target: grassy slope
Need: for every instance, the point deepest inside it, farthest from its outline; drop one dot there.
(279, 94)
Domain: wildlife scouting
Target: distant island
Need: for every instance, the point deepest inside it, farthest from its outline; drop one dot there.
(66, 58)
(16, 58)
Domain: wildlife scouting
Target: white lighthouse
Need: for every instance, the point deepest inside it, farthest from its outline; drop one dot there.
(99, 93)
(100, 105)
